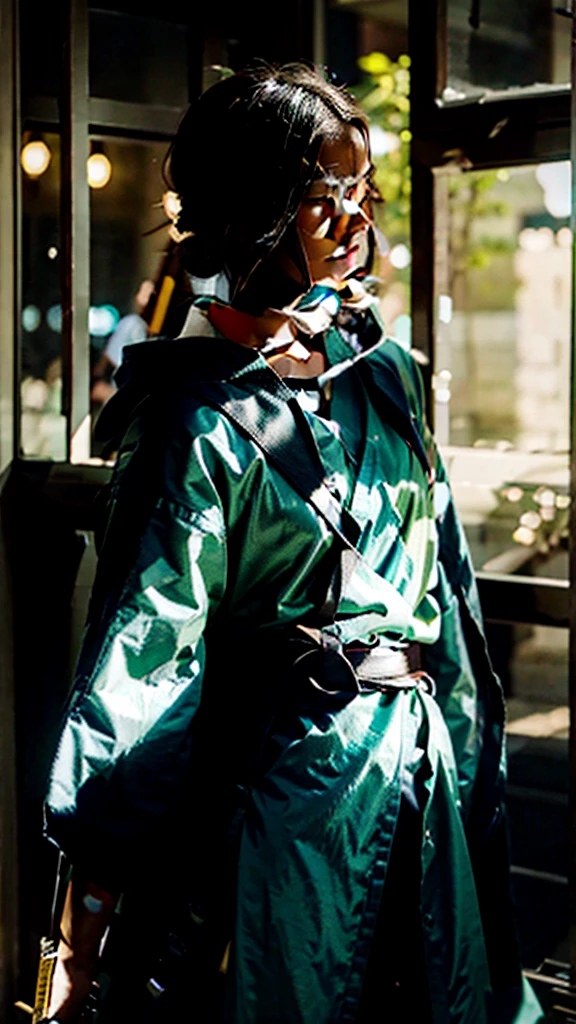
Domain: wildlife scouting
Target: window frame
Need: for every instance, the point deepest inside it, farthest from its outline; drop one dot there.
(76, 119)
(500, 131)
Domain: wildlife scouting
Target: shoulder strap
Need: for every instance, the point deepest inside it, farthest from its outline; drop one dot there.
(377, 366)
(280, 429)
(387, 391)
(277, 424)
(274, 421)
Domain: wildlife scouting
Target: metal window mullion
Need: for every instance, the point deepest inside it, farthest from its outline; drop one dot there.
(319, 32)
(17, 262)
(9, 277)
(9, 327)
(422, 287)
(422, 27)
(572, 536)
(75, 231)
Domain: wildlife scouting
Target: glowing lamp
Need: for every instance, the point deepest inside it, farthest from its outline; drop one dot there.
(98, 170)
(35, 158)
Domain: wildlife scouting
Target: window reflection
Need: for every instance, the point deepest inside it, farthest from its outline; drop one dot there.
(128, 244)
(43, 432)
(130, 248)
(384, 94)
(130, 55)
(40, 35)
(367, 50)
(124, 247)
(502, 361)
(496, 45)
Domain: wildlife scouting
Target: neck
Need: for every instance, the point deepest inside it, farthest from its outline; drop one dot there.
(272, 325)
(249, 330)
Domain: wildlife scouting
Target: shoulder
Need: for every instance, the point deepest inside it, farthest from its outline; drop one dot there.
(408, 369)
(204, 453)
(201, 433)
(400, 365)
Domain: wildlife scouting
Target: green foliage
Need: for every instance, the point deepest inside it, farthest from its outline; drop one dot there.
(384, 94)
(470, 202)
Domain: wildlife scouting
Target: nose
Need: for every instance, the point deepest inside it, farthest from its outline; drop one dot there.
(350, 207)
(350, 220)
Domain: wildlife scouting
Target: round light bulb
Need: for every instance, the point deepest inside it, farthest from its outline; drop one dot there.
(35, 158)
(99, 170)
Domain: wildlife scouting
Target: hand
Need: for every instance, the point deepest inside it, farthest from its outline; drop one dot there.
(71, 983)
(86, 915)
(101, 391)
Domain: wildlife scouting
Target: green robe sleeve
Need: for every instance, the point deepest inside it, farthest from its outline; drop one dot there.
(125, 745)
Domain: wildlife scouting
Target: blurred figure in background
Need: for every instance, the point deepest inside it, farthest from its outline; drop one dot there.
(131, 329)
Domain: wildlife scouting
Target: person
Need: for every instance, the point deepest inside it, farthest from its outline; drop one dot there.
(284, 718)
(130, 330)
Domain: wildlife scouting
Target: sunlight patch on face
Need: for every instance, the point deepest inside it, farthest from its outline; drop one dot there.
(335, 217)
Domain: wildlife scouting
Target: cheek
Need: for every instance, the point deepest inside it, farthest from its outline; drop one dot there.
(314, 219)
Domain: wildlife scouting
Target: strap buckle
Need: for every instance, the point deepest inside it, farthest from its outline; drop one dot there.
(412, 681)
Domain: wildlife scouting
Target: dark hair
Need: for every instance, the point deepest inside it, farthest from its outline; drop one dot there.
(243, 157)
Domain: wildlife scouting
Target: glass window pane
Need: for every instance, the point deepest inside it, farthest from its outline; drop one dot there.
(502, 361)
(43, 428)
(496, 45)
(125, 252)
(384, 94)
(367, 49)
(138, 59)
(40, 32)
(533, 664)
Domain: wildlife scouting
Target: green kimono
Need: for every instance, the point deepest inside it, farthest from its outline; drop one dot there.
(227, 558)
